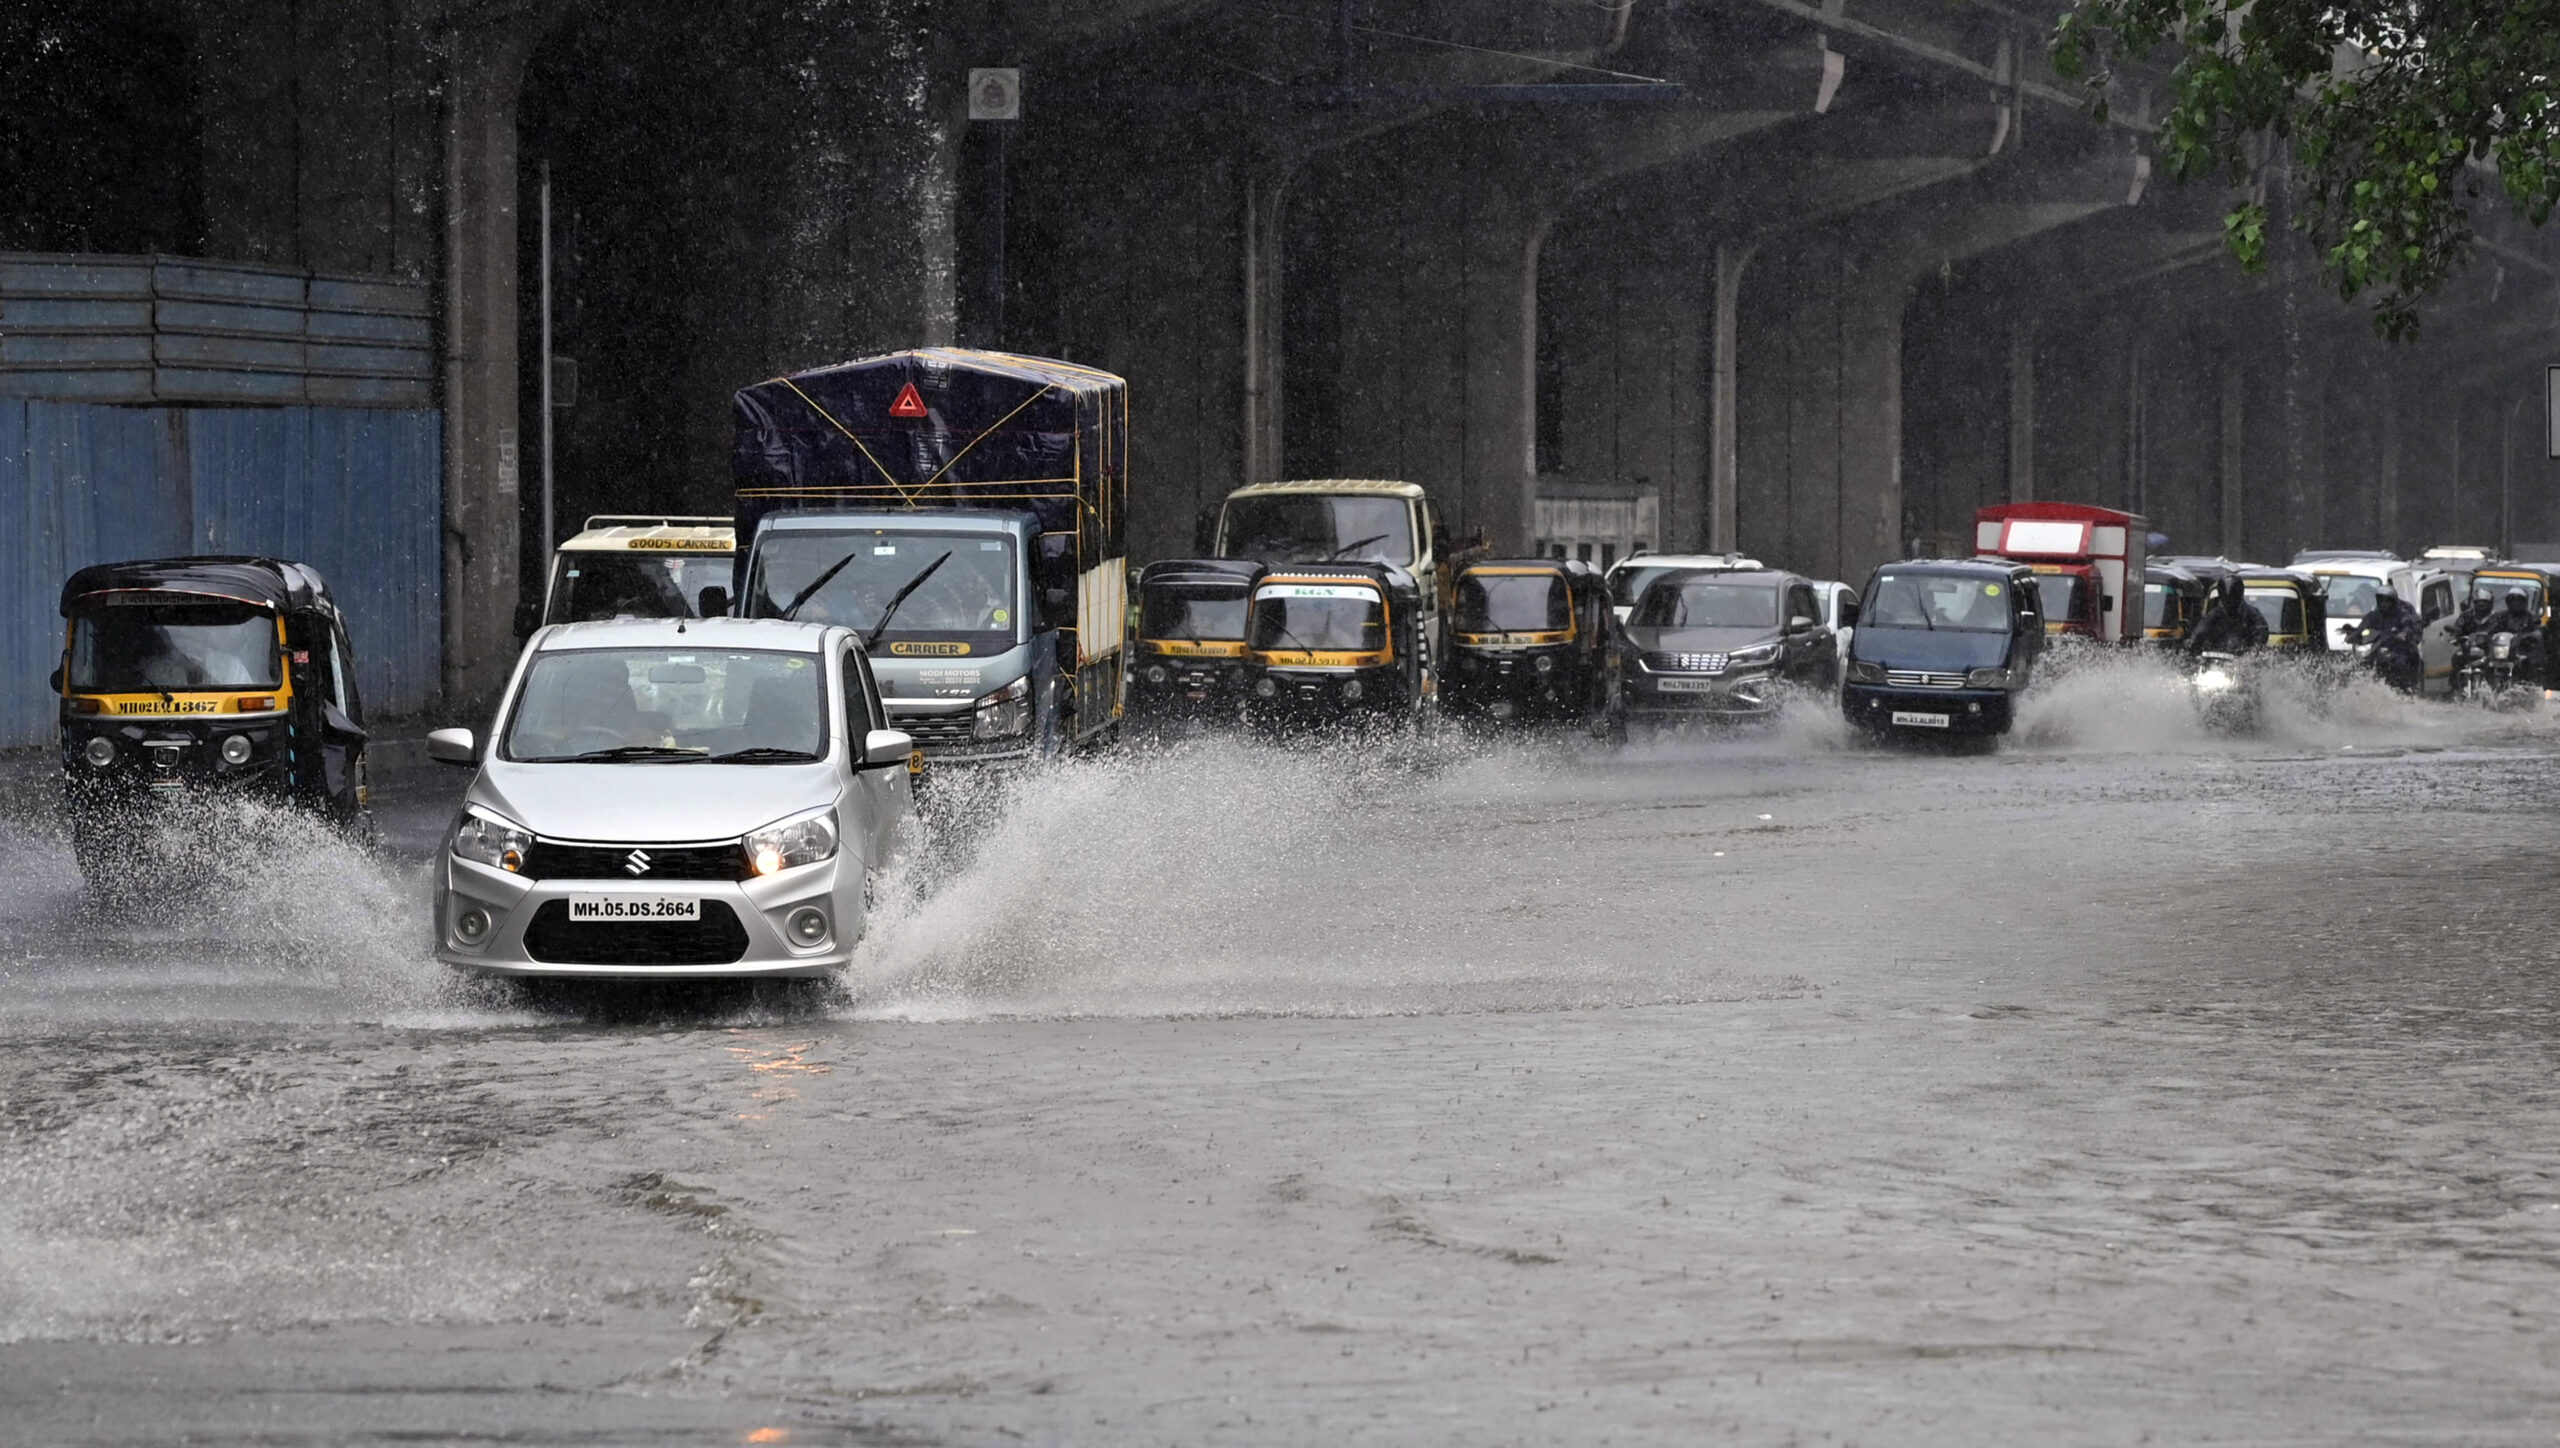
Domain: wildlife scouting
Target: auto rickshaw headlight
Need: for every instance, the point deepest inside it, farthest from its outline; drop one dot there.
(100, 752)
(1351, 690)
(1266, 687)
(236, 750)
(487, 839)
(1545, 664)
(1155, 673)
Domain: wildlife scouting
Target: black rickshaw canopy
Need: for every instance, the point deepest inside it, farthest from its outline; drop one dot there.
(263, 582)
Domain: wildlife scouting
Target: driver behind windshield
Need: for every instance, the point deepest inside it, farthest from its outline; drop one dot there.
(652, 704)
(1701, 603)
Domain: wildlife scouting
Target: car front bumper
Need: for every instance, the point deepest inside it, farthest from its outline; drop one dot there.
(529, 933)
(1732, 695)
(1967, 711)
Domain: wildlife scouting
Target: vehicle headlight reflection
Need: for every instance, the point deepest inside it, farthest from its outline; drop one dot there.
(488, 839)
(1004, 713)
(803, 839)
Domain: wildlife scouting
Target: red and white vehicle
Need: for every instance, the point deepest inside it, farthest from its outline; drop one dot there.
(2088, 563)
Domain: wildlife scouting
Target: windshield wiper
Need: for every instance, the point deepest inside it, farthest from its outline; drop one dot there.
(871, 640)
(1347, 547)
(792, 608)
(761, 752)
(627, 751)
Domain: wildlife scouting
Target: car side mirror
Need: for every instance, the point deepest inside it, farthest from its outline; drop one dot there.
(884, 747)
(452, 746)
(713, 601)
(1799, 624)
(528, 618)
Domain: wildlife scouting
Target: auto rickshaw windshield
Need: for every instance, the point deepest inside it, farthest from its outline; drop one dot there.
(1318, 616)
(600, 585)
(647, 705)
(1513, 603)
(1706, 603)
(1172, 611)
(166, 646)
(2280, 607)
(2160, 605)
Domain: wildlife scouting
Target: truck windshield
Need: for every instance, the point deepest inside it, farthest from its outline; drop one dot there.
(601, 585)
(603, 706)
(970, 598)
(1513, 603)
(1938, 600)
(1706, 603)
(1317, 616)
(135, 647)
(1192, 613)
(2064, 598)
(1320, 528)
(2348, 596)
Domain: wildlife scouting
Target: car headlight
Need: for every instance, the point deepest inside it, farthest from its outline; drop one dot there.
(1756, 654)
(803, 839)
(1004, 713)
(1862, 672)
(1993, 678)
(488, 839)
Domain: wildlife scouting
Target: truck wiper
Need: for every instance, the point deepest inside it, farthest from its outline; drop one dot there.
(871, 640)
(630, 751)
(792, 609)
(1347, 547)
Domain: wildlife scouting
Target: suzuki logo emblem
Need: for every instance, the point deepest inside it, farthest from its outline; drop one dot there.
(637, 862)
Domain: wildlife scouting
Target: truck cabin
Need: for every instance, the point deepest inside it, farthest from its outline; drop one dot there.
(642, 567)
(2089, 562)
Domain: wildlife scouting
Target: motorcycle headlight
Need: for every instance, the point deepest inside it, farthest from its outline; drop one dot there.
(1004, 713)
(489, 839)
(2501, 646)
(1862, 672)
(2216, 681)
(803, 839)
(1994, 678)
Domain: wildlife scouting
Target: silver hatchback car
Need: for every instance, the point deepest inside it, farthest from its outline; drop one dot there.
(663, 798)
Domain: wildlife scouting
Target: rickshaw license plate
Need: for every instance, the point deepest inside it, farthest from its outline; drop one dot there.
(1921, 721)
(587, 908)
(1689, 686)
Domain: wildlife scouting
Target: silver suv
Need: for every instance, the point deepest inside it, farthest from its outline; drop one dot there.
(664, 798)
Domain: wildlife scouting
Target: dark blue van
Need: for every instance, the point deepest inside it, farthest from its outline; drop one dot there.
(1943, 648)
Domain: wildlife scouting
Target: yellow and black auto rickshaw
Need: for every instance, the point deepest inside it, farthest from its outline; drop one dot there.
(187, 679)
(2295, 606)
(2173, 598)
(1189, 667)
(1530, 641)
(1331, 644)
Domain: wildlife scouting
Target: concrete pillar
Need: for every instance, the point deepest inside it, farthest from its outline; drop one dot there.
(2022, 410)
(1265, 188)
(2234, 453)
(1724, 473)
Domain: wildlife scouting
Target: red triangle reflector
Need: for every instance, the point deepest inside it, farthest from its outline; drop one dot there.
(908, 403)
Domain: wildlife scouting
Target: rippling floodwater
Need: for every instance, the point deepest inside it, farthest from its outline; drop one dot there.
(2128, 1082)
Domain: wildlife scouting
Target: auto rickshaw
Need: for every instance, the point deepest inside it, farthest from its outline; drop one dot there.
(1530, 640)
(1189, 666)
(1329, 645)
(189, 679)
(2295, 607)
(2173, 599)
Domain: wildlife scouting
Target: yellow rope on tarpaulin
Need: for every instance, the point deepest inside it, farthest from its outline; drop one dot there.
(885, 475)
(984, 433)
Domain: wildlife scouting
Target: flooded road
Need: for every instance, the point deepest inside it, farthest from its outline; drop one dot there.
(2127, 1084)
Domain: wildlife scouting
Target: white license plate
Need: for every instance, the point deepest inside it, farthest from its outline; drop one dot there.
(634, 907)
(1688, 686)
(1921, 721)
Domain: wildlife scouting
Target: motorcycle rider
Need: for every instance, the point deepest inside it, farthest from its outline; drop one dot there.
(2393, 628)
(2229, 625)
(2517, 618)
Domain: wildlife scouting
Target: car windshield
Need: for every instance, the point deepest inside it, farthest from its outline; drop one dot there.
(971, 594)
(676, 705)
(1938, 600)
(1512, 603)
(2063, 597)
(1291, 616)
(1706, 602)
(161, 646)
(1320, 528)
(1198, 613)
(601, 585)
(2280, 607)
(2347, 596)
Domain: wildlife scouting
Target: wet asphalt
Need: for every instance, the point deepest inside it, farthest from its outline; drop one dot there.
(2127, 1084)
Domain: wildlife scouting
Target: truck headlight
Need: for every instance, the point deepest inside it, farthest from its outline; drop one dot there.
(489, 839)
(1004, 713)
(803, 839)
(1862, 672)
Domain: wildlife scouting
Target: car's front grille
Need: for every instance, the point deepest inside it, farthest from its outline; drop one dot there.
(935, 732)
(1685, 663)
(1922, 679)
(556, 860)
(554, 939)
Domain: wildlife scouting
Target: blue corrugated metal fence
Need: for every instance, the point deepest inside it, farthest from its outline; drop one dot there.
(356, 493)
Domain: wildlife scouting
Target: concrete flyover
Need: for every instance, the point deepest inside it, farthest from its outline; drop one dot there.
(1810, 279)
